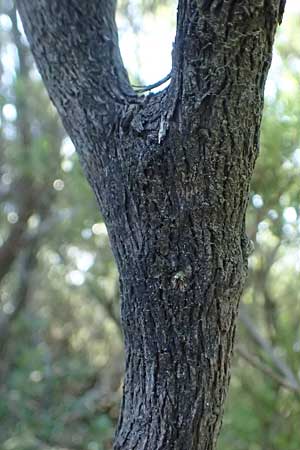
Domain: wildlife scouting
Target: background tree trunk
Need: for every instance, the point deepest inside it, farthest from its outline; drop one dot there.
(171, 173)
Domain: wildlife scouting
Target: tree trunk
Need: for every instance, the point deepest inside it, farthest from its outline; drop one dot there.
(171, 173)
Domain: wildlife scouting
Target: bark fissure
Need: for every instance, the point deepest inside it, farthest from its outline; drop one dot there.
(171, 174)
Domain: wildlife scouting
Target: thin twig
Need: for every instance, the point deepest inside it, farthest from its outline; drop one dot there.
(141, 89)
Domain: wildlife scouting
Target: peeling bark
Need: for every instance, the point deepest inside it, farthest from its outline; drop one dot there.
(171, 174)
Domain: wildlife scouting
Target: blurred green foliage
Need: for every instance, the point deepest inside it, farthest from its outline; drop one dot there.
(60, 341)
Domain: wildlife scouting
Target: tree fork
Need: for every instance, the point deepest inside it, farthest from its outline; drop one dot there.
(171, 174)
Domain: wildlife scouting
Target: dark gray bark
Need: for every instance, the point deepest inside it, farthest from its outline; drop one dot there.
(171, 173)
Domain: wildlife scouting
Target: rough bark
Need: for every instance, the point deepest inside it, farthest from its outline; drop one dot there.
(171, 173)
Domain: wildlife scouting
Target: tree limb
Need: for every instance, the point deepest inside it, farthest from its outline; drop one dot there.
(255, 362)
(14, 242)
(258, 339)
(213, 39)
(75, 45)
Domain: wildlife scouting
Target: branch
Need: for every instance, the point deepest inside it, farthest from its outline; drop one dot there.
(213, 39)
(255, 362)
(105, 302)
(141, 89)
(75, 46)
(277, 361)
(14, 243)
(27, 262)
(31, 200)
(98, 400)
(23, 116)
